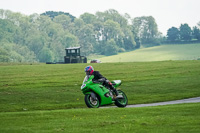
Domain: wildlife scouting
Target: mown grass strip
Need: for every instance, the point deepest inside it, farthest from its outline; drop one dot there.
(182, 118)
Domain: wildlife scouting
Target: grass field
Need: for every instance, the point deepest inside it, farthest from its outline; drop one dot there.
(49, 87)
(158, 53)
(47, 98)
(184, 118)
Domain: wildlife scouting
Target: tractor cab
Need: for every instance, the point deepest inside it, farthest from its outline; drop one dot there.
(73, 55)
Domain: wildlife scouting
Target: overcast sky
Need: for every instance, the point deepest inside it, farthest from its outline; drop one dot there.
(167, 13)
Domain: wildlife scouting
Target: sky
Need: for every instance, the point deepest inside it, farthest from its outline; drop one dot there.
(167, 13)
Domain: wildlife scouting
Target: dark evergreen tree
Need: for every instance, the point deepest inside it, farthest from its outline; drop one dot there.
(53, 14)
(196, 33)
(185, 32)
(173, 34)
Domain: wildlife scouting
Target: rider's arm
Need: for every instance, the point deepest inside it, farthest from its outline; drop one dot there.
(98, 77)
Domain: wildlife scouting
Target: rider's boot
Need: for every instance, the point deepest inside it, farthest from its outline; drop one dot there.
(115, 94)
(115, 91)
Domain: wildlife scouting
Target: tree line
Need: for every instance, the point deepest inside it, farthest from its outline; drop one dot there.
(183, 33)
(43, 37)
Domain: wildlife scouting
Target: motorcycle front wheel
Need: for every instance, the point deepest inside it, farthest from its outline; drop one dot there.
(121, 102)
(91, 102)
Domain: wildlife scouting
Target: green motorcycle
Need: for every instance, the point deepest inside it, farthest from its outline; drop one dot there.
(98, 95)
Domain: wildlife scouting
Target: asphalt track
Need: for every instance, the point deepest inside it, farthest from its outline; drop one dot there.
(189, 100)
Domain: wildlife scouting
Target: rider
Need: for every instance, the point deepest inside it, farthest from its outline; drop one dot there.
(98, 77)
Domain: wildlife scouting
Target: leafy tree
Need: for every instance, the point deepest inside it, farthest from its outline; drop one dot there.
(129, 40)
(5, 13)
(25, 53)
(23, 22)
(16, 57)
(4, 55)
(35, 43)
(145, 28)
(98, 34)
(87, 39)
(88, 18)
(70, 40)
(7, 31)
(185, 32)
(196, 33)
(44, 24)
(112, 25)
(53, 36)
(113, 15)
(112, 30)
(11, 52)
(138, 43)
(78, 24)
(116, 17)
(64, 20)
(173, 34)
(111, 48)
(109, 30)
(46, 55)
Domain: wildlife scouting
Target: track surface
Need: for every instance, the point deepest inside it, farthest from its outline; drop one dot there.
(189, 100)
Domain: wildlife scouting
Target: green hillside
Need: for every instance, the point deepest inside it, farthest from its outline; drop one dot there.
(158, 53)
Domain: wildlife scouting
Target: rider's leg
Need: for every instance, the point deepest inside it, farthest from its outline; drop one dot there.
(113, 88)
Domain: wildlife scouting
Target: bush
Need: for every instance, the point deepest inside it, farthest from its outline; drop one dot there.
(121, 50)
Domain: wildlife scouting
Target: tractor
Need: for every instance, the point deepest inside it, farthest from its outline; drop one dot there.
(73, 56)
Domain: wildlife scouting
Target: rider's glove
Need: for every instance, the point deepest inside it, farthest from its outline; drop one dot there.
(107, 81)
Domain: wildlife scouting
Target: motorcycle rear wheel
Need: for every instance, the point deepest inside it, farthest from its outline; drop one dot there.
(121, 102)
(90, 102)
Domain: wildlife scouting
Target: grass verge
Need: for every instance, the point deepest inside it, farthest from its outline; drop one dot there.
(182, 118)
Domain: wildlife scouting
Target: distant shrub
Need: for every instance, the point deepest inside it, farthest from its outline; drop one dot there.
(121, 50)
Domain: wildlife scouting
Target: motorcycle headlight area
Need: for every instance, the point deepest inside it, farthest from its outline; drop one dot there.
(83, 86)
